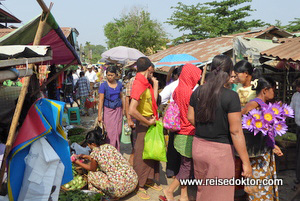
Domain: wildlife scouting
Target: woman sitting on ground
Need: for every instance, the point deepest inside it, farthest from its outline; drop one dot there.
(109, 172)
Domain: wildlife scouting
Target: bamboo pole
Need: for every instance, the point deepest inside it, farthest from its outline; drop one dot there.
(203, 74)
(12, 131)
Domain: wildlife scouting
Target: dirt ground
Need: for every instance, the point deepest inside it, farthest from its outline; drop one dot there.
(285, 191)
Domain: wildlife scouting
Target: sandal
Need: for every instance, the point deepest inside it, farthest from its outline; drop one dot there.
(154, 186)
(143, 194)
(163, 198)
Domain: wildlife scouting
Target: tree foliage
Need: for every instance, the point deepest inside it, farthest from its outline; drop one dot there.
(92, 53)
(212, 19)
(137, 30)
(294, 25)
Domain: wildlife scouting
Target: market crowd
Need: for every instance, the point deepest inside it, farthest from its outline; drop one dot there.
(209, 141)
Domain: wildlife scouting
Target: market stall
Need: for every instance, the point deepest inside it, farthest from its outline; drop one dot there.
(44, 123)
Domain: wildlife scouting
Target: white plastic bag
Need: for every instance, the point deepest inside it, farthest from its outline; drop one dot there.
(80, 150)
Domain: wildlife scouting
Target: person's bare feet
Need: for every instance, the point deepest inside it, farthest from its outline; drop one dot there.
(168, 194)
(184, 198)
(142, 193)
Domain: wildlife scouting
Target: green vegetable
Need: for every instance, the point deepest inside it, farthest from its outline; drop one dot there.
(76, 138)
(76, 131)
(78, 195)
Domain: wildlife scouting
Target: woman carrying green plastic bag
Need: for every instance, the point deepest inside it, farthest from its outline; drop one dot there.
(155, 147)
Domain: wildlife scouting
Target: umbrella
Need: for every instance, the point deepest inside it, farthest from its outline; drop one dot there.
(176, 60)
(122, 54)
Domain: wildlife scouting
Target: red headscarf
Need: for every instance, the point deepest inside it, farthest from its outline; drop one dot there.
(140, 84)
(188, 79)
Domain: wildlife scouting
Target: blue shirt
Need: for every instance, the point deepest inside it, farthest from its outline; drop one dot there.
(114, 93)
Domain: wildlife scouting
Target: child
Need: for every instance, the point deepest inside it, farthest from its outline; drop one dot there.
(245, 74)
(262, 157)
(109, 171)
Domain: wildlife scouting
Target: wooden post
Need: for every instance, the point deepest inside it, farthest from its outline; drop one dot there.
(284, 86)
(12, 131)
(203, 74)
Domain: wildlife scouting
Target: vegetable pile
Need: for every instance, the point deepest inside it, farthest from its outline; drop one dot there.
(78, 195)
(76, 131)
(77, 183)
(76, 134)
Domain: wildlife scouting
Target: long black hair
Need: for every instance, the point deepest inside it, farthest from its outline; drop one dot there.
(209, 93)
(244, 66)
(264, 83)
(95, 136)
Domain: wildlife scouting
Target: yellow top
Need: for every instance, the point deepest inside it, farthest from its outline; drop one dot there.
(246, 94)
(99, 77)
(145, 105)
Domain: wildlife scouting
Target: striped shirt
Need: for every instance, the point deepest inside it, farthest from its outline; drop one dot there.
(129, 86)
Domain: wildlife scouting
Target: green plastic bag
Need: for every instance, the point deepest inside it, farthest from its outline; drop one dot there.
(154, 146)
(126, 131)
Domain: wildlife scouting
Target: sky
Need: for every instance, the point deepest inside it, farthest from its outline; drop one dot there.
(90, 16)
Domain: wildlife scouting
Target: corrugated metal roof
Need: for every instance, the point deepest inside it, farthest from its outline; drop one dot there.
(289, 50)
(4, 32)
(205, 50)
(163, 70)
(8, 18)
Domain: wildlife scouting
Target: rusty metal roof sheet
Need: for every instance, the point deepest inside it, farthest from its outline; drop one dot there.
(288, 50)
(205, 50)
(4, 32)
(163, 70)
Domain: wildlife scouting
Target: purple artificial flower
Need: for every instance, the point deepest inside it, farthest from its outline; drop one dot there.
(256, 114)
(247, 122)
(288, 111)
(280, 128)
(276, 108)
(269, 115)
(258, 125)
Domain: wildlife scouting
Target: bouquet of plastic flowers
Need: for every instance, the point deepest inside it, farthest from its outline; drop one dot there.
(269, 120)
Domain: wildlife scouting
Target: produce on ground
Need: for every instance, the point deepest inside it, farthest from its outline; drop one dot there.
(78, 195)
(77, 183)
(76, 131)
(76, 138)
